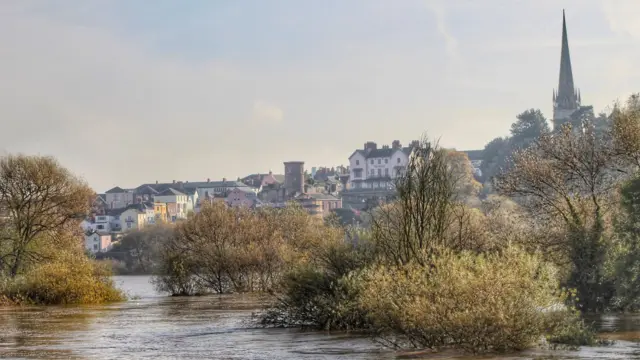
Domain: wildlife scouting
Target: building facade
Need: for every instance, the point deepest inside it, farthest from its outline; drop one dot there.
(97, 242)
(294, 179)
(376, 168)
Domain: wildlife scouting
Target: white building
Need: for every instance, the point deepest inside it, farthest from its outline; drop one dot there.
(97, 242)
(173, 196)
(373, 168)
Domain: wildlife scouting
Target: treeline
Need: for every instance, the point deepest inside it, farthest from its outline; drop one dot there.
(223, 249)
(42, 259)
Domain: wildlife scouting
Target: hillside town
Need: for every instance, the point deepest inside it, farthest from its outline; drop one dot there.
(368, 178)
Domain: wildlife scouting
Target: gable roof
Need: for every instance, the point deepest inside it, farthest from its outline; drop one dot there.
(145, 189)
(170, 191)
(115, 190)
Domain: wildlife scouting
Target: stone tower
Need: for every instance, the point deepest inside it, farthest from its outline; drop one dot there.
(294, 177)
(566, 99)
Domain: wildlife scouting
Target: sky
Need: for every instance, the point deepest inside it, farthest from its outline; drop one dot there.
(124, 92)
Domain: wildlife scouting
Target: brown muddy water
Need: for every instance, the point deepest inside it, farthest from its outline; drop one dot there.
(158, 327)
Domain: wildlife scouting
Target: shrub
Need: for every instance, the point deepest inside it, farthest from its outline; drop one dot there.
(70, 279)
(478, 303)
(324, 294)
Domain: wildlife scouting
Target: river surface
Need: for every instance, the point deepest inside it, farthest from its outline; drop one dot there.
(154, 326)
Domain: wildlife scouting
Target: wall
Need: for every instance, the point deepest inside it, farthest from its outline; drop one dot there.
(294, 176)
(119, 200)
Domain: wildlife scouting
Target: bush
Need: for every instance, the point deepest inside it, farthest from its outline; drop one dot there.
(478, 303)
(324, 294)
(70, 279)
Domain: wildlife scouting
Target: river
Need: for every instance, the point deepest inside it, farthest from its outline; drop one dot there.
(154, 326)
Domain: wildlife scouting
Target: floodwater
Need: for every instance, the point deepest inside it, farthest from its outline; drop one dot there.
(154, 326)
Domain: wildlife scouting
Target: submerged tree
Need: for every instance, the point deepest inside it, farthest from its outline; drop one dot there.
(39, 201)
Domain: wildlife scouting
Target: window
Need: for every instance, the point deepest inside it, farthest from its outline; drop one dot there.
(386, 172)
(357, 162)
(386, 161)
(371, 172)
(371, 161)
(398, 160)
(379, 172)
(100, 227)
(95, 247)
(128, 225)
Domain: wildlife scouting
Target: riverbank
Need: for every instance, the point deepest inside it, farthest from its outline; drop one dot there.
(161, 327)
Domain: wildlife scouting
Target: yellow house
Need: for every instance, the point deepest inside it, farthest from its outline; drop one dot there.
(160, 211)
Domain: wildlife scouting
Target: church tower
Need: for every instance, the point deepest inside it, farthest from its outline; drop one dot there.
(566, 99)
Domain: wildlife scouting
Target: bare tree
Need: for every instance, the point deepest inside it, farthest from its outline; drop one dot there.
(39, 200)
(570, 178)
(418, 220)
(625, 130)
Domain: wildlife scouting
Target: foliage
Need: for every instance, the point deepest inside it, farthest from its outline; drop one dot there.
(39, 199)
(569, 178)
(323, 295)
(433, 272)
(529, 126)
(494, 302)
(71, 279)
(42, 258)
(223, 249)
(138, 249)
(495, 156)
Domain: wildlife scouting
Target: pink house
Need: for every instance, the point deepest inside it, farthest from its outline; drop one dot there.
(240, 197)
(97, 242)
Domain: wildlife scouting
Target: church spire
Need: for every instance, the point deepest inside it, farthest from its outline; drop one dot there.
(566, 97)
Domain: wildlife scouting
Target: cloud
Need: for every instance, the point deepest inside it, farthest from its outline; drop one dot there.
(264, 112)
(451, 43)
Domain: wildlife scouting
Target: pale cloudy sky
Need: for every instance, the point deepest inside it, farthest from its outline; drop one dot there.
(131, 91)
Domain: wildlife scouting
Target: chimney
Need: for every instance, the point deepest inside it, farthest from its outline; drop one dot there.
(396, 144)
(174, 181)
(224, 179)
(156, 182)
(370, 145)
(208, 180)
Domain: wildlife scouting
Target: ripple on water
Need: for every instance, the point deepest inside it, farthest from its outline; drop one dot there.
(160, 327)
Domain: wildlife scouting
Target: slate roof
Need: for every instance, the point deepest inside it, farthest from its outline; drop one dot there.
(193, 185)
(382, 152)
(170, 191)
(145, 189)
(115, 190)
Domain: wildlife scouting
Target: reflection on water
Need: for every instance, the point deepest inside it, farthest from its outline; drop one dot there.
(160, 327)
